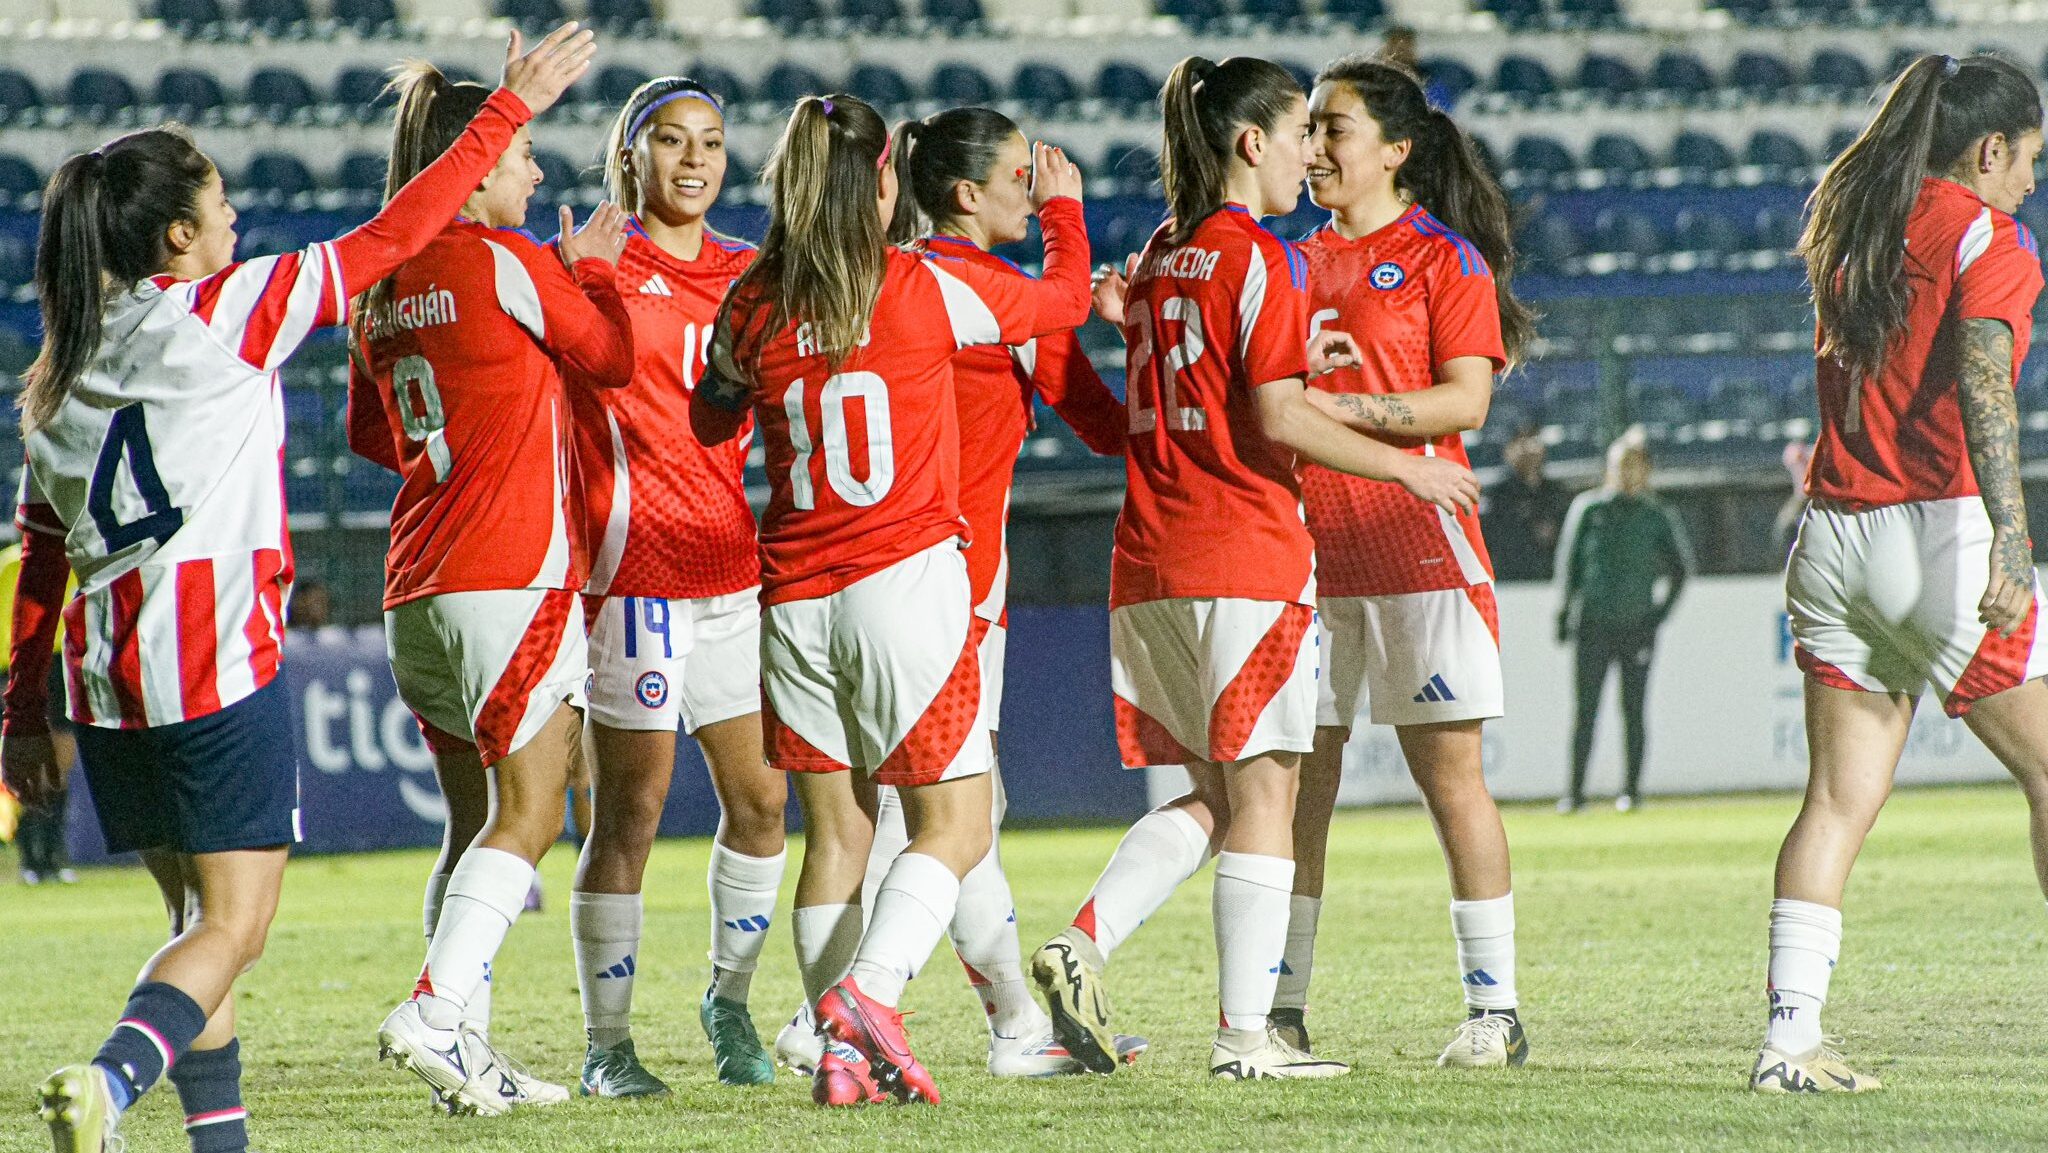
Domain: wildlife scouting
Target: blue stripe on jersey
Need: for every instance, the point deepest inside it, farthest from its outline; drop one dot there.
(971, 246)
(729, 243)
(1297, 264)
(2027, 240)
(1470, 262)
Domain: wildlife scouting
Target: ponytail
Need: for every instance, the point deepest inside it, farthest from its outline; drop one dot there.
(822, 260)
(1854, 242)
(630, 127)
(1446, 175)
(910, 221)
(1206, 106)
(933, 156)
(106, 219)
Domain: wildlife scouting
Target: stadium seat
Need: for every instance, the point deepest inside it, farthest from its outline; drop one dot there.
(1900, 11)
(1681, 74)
(871, 15)
(1625, 232)
(1781, 157)
(1589, 13)
(1523, 77)
(1838, 141)
(532, 15)
(360, 92)
(558, 185)
(1777, 228)
(274, 178)
(20, 183)
(187, 93)
(1448, 74)
(1700, 156)
(361, 176)
(1748, 11)
(99, 94)
(1276, 14)
(880, 85)
(18, 96)
(621, 17)
(1834, 70)
(1515, 13)
(954, 16)
(1539, 158)
(1618, 156)
(723, 82)
(1043, 87)
(1607, 76)
(1357, 13)
(791, 15)
(1901, 59)
(1546, 242)
(366, 16)
(1760, 74)
(1132, 163)
(17, 263)
(1126, 85)
(276, 17)
(1706, 231)
(191, 17)
(279, 94)
(617, 82)
(1196, 14)
(787, 83)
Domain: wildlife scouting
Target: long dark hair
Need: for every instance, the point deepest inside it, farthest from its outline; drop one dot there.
(821, 262)
(106, 217)
(1855, 237)
(631, 125)
(1445, 175)
(431, 114)
(933, 156)
(1206, 106)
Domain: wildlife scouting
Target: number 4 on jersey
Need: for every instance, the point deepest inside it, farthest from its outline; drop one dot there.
(128, 440)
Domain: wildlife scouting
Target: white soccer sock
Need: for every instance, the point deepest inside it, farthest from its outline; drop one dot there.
(1300, 957)
(476, 1012)
(1806, 939)
(891, 838)
(1165, 847)
(911, 913)
(743, 891)
(606, 931)
(984, 932)
(1250, 908)
(826, 937)
(485, 894)
(1485, 932)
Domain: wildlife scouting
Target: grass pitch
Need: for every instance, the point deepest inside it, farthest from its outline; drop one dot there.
(1641, 954)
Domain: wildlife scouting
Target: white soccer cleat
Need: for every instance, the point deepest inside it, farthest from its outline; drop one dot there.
(457, 1064)
(519, 1087)
(1487, 1041)
(1260, 1055)
(1039, 1056)
(1819, 1070)
(799, 1046)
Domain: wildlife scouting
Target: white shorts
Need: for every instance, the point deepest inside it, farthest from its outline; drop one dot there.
(654, 661)
(488, 668)
(1212, 679)
(1419, 658)
(883, 676)
(1886, 601)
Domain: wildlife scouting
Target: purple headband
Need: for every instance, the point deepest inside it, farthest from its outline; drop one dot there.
(647, 113)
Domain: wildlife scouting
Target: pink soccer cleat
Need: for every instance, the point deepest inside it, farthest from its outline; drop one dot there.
(844, 1078)
(876, 1030)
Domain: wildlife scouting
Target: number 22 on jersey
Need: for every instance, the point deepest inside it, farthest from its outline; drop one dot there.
(1161, 376)
(873, 394)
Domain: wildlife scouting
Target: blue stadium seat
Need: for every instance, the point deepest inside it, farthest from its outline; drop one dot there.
(1043, 87)
(1777, 227)
(1901, 59)
(1760, 74)
(1620, 157)
(1626, 232)
(1131, 162)
(98, 93)
(1749, 11)
(1589, 13)
(279, 94)
(1449, 74)
(622, 16)
(1780, 155)
(1703, 230)
(1540, 158)
(1900, 11)
(361, 175)
(871, 15)
(787, 83)
(1515, 13)
(1681, 74)
(1546, 242)
(20, 183)
(1700, 156)
(1357, 13)
(880, 85)
(266, 240)
(616, 83)
(723, 82)
(791, 15)
(1197, 14)
(1829, 11)
(276, 17)
(1838, 142)
(1273, 13)
(1126, 85)
(1838, 71)
(191, 17)
(17, 263)
(954, 16)
(1524, 77)
(533, 15)
(18, 95)
(1608, 76)
(277, 177)
(187, 93)
(366, 16)
(360, 91)
(559, 180)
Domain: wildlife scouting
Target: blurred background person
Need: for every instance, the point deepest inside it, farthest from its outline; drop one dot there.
(1523, 512)
(1618, 543)
(1785, 528)
(40, 836)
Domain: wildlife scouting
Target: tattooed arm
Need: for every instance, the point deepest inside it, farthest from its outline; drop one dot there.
(1991, 428)
(1455, 403)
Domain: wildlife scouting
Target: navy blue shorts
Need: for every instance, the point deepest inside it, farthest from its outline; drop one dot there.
(222, 782)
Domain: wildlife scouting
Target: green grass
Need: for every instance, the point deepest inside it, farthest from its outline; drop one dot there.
(1641, 941)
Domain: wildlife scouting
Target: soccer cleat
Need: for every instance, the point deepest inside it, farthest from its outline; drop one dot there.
(1566, 806)
(1040, 1056)
(1487, 1041)
(617, 1073)
(520, 1087)
(1292, 1026)
(1130, 1047)
(735, 1047)
(1068, 971)
(876, 1030)
(78, 1106)
(1247, 1055)
(457, 1064)
(798, 1047)
(844, 1078)
(1819, 1070)
(1625, 803)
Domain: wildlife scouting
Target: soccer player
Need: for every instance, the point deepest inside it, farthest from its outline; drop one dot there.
(842, 346)
(1213, 583)
(1912, 567)
(674, 604)
(154, 423)
(467, 347)
(1404, 589)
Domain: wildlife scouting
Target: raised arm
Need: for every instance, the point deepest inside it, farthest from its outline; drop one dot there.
(1064, 378)
(1991, 427)
(28, 762)
(719, 405)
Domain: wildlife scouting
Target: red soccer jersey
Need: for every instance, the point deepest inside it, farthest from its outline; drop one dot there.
(994, 389)
(667, 516)
(1964, 260)
(864, 460)
(1413, 295)
(1211, 506)
(476, 416)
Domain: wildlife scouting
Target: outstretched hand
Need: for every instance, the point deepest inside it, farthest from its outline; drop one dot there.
(541, 76)
(602, 237)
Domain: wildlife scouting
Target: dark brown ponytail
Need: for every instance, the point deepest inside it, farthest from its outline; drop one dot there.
(933, 156)
(1205, 106)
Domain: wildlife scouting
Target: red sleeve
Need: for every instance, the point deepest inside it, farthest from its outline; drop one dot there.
(2002, 283)
(1064, 378)
(575, 314)
(997, 306)
(38, 606)
(369, 428)
(1464, 311)
(33, 511)
(1272, 314)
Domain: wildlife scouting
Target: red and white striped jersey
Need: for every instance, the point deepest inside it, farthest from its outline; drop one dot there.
(995, 389)
(864, 457)
(1414, 295)
(667, 515)
(463, 357)
(1211, 505)
(162, 470)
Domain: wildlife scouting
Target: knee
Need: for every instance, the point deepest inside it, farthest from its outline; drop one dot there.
(756, 815)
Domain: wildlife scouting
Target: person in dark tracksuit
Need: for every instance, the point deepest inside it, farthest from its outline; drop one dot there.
(1618, 543)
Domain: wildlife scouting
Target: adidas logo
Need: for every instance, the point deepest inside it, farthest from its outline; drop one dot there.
(622, 969)
(1434, 692)
(656, 286)
(1480, 977)
(749, 924)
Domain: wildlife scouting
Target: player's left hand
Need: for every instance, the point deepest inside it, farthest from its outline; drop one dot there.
(1330, 350)
(1109, 289)
(2009, 595)
(28, 767)
(1052, 175)
(602, 237)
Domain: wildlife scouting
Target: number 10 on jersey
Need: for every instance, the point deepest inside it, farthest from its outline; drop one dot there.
(873, 394)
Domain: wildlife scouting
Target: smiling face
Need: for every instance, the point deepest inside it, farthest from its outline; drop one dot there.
(1283, 161)
(2003, 169)
(1349, 159)
(500, 202)
(679, 161)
